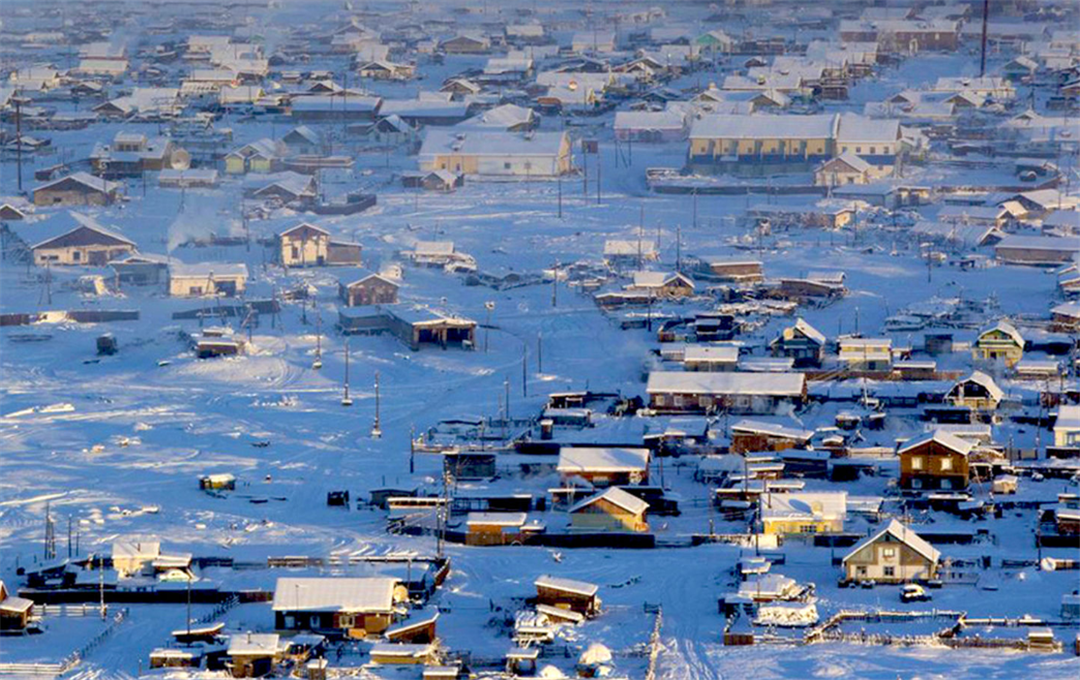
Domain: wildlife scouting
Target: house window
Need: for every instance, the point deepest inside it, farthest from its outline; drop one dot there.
(677, 400)
(506, 166)
(860, 571)
(858, 149)
(76, 256)
(946, 464)
(917, 463)
(888, 553)
(889, 571)
(295, 253)
(916, 484)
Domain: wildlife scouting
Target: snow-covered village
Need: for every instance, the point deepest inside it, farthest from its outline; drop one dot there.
(452, 339)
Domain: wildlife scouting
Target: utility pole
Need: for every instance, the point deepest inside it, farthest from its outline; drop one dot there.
(376, 431)
(524, 370)
(18, 139)
(540, 353)
(346, 400)
(559, 178)
(985, 20)
(599, 168)
(555, 285)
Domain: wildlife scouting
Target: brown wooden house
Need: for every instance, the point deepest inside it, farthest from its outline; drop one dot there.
(369, 289)
(937, 460)
(15, 612)
(566, 593)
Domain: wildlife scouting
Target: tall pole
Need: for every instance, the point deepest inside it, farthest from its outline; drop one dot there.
(985, 20)
(346, 400)
(376, 431)
(18, 140)
(560, 196)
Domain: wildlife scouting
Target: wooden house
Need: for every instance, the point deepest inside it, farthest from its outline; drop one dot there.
(207, 279)
(253, 655)
(894, 554)
(611, 510)
(354, 606)
(711, 358)
(621, 253)
(368, 289)
(738, 271)
(88, 244)
(417, 629)
(604, 466)
(847, 168)
(566, 593)
(261, 156)
(1001, 343)
(80, 188)
(381, 69)
(866, 354)
(1036, 250)
(754, 435)
(302, 140)
(937, 460)
(466, 44)
(978, 392)
(496, 153)
(737, 392)
(803, 513)
(131, 557)
(666, 285)
(15, 612)
(494, 528)
(306, 245)
(411, 654)
(801, 342)
(1067, 426)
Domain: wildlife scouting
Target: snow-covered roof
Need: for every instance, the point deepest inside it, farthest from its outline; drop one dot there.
(942, 437)
(254, 644)
(901, 533)
(721, 126)
(825, 505)
(573, 459)
(618, 497)
(205, 270)
(371, 594)
(772, 429)
(567, 584)
(776, 384)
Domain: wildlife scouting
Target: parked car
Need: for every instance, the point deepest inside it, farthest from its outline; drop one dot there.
(914, 593)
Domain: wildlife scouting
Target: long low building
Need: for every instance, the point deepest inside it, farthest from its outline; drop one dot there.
(696, 392)
(496, 153)
(767, 144)
(1043, 250)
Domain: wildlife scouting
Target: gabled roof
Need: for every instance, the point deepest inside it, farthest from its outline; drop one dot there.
(1006, 328)
(946, 439)
(85, 179)
(615, 496)
(304, 225)
(902, 534)
(773, 429)
(88, 232)
(850, 159)
(986, 382)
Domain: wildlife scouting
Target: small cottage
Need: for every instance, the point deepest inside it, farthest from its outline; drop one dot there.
(368, 289)
(895, 554)
(611, 510)
(566, 593)
(604, 466)
(356, 606)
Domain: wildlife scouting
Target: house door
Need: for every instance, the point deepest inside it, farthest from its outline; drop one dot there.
(98, 258)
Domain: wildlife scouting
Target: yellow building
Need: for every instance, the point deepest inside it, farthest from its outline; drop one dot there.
(612, 510)
(1000, 343)
(496, 153)
(803, 513)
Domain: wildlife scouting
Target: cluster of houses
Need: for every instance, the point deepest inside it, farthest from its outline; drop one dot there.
(856, 440)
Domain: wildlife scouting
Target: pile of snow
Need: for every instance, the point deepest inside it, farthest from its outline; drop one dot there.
(791, 615)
